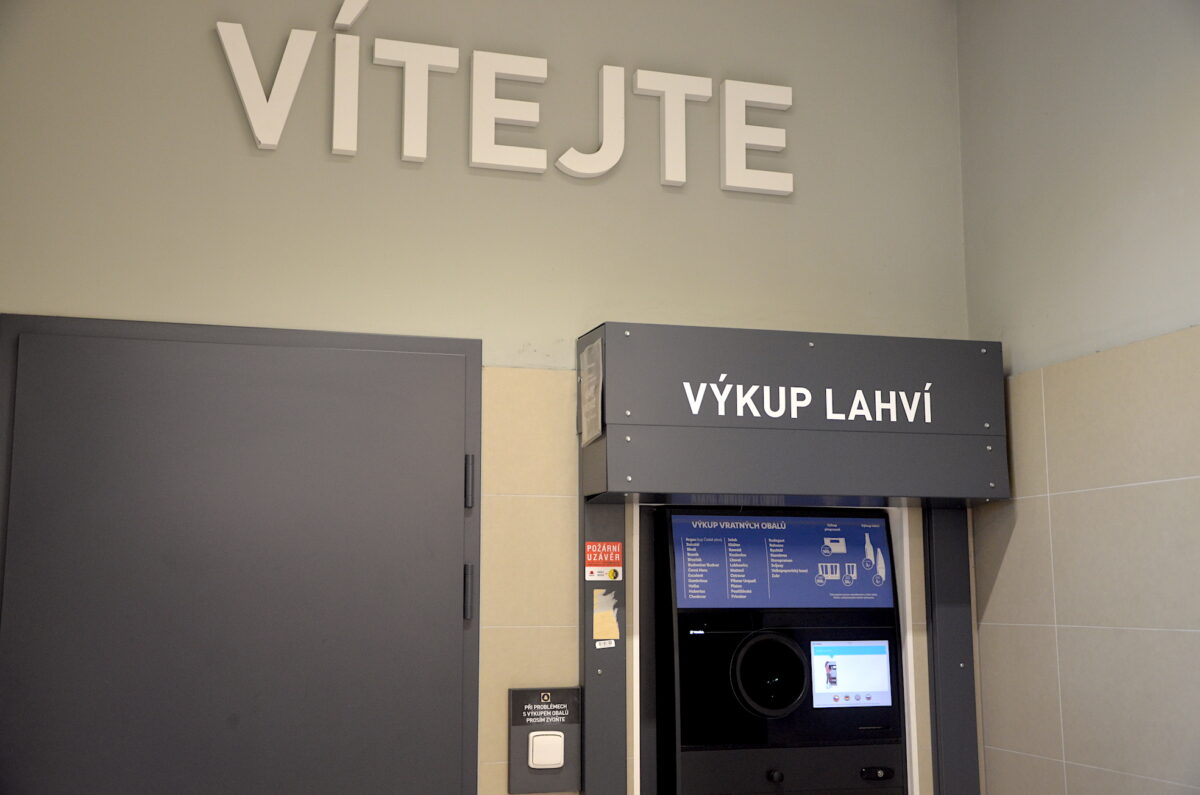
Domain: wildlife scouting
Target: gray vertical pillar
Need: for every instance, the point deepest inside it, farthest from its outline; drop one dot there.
(602, 670)
(951, 648)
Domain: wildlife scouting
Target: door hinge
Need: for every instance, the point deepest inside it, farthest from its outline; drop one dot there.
(469, 481)
(468, 591)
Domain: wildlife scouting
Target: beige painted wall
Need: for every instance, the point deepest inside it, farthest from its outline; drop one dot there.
(134, 190)
(1081, 183)
(1089, 629)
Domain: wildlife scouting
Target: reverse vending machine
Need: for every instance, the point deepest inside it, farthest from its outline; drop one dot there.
(739, 624)
(778, 654)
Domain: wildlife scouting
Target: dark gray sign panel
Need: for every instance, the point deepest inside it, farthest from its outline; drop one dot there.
(690, 410)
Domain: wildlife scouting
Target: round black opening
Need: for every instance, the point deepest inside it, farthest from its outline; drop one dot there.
(770, 674)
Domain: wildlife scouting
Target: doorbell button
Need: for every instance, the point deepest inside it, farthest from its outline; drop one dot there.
(546, 750)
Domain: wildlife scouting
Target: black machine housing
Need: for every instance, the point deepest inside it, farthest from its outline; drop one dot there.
(734, 687)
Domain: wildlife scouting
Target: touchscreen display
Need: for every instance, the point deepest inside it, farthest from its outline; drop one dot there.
(851, 673)
(781, 561)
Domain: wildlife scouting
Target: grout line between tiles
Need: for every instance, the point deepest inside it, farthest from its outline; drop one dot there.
(538, 496)
(1023, 753)
(1092, 767)
(529, 626)
(1048, 493)
(1125, 485)
(1129, 629)
(1136, 775)
(1062, 724)
(502, 366)
(1087, 626)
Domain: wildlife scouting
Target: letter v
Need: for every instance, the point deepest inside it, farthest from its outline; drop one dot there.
(266, 116)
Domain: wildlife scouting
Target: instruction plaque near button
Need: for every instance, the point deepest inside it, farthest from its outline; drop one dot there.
(544, 745)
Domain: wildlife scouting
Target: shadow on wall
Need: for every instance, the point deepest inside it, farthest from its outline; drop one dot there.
(1001, 524)
(1001, 519)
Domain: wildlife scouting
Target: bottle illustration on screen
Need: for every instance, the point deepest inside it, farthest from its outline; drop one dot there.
(880, 569)
(868, 558)
(851, 574)
(828, 571)
(830, 674)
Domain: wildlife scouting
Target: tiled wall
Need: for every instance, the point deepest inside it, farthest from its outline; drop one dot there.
(529, 588)
(1088, 581)
(529, 597)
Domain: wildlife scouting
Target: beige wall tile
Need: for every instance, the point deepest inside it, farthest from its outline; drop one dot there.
(521, 657)
(925, 783)
(1092, 781)
(918, 705)
(1020, 689)
(1017, 774)
(1026, 434)
(529, 441)
(1128, 557)
(493, 780)
(1131, 701)
(1126, 415)
(529, 574)
(918, 642)
(1012, 562)
(910, 585)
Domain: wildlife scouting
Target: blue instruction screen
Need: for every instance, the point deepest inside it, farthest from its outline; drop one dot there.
(781, 561)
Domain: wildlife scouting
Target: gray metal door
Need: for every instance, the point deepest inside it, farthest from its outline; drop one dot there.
(237, 568)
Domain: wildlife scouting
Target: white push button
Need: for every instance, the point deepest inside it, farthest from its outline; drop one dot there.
(545, 750)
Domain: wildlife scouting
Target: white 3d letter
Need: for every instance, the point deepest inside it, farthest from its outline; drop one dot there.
(266, 116)
(488, 110)
(418, 61)
(345, 94)
(612, 130)
(674, 90)
(737, 136)
(349, 13)
(345, 79)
